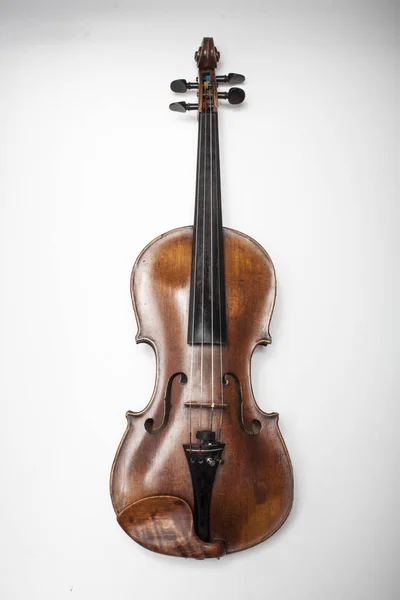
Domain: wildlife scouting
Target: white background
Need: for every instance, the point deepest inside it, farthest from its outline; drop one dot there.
(92, 167)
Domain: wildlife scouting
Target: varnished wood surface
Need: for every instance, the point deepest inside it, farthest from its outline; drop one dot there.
(164, 524)
(253, 490)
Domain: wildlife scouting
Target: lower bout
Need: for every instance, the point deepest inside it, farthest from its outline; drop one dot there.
(252, 509)
(251, 498)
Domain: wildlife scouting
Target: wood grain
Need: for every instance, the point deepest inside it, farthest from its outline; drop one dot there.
(253, 490)
(164, 524)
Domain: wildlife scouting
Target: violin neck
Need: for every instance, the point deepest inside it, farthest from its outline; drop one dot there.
(207, 315)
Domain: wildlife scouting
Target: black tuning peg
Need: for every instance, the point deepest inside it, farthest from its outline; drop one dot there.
(234, 95)
(183, 106)
(231, 78)
(181, 85)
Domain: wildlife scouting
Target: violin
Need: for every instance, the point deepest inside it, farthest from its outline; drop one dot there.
(202, 471)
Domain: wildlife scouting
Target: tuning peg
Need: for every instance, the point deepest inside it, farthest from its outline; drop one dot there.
(181, 85)
(183, 106)
(231, 78)
(234, 95)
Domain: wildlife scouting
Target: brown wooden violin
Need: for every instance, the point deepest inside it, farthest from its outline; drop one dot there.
(202, 470)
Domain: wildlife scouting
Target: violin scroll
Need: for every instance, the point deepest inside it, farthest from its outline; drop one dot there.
(207, 56)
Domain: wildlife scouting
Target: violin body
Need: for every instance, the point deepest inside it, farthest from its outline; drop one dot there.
(226, 485)
(253, 492)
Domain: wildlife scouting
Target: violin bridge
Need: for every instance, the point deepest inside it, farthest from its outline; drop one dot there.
(197, 404)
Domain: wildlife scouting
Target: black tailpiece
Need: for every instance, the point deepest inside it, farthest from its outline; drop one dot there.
(203, 460)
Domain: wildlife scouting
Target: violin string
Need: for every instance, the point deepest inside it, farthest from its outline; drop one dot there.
(218, 179)
(212, 264)
(202, 278)
(196, 232)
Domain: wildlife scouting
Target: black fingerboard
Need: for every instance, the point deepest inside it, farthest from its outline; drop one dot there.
(207, 313)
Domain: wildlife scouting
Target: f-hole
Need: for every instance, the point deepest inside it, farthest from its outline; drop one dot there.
(149, 423)
(255, 423)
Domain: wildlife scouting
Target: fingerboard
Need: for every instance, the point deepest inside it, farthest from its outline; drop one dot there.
(207, 313)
